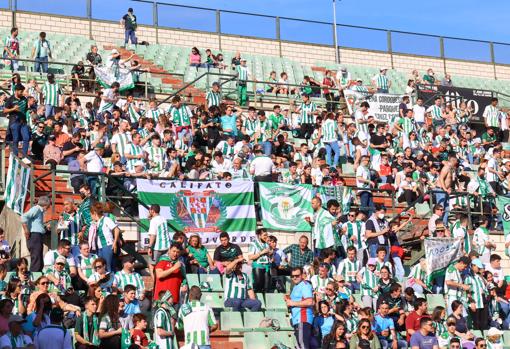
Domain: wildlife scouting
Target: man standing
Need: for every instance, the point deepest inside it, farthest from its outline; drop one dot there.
(413, 320)
(239, 292)
(322, 228)
(109, 98)
(129, 23)
(308, 111)
(40, 53)
(424, 338)
(170, 274)
(364, 180)
(94, 59)
(454, 286)
(197, 320)
(16, 108)
(159, 235)
(491, 115)
(381, 81)
(11, 49)
(84, 212)
(376, 230)
(300, 303)
(54, 336)
(243, 74)
(128, 276)
(300, 254)
(52, 96)
(34, 229)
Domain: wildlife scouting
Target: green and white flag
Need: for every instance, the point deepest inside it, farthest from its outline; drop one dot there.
(204, 208)
(16, 187)
(440, 253)
(106, 76)
(339, 193)
(503, 204)
(285, 206)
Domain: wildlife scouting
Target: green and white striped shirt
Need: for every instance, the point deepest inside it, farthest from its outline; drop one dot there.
(265, 130)
(51, 93)
(134, 116)
(63, 277)
(407, 125)
(348, 269)
(319, 284)
(249, 126)
(361, 127)
(162, 319)
(105, 227)
(195, 318)
(256, 247)
(356, 228)
(213, 98)
(478, 290)
(134, 150)
(323, 232)
(329, 131)
(73, 226)
(122, 141)
(381, 81)
(153, 114)
(225, 149)
(459, 231)
(242, 73)
(491, 116)
(180, 116)
(452, 274)
(237, 286)
(85, 264)
(307, 113)
(157, 158)
(159, 227)
(480, 237)
(368, 281)
(436, 112)
(121, 279)
(418, 273)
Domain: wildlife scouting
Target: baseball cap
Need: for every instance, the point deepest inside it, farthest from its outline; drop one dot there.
(383, 68)
(478, 263)
(60, 260)
(493, 331)
(372, 261)
(343, 69)
(99, 146)
(114, 51)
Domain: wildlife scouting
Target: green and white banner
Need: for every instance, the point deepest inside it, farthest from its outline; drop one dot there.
(503, 204)
(285, 206)
(440, 253)
(204, 208)
(106, 76)
(16, 184)
(341, 194)
(383, 106)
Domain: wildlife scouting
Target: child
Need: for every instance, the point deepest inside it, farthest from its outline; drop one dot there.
(86, 330)
(381, 261)
(164, 320)
(138, 336)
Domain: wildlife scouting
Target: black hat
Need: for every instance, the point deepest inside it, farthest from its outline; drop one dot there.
(130, 10)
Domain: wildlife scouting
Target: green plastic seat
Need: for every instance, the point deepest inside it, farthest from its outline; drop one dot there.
(256, 340)
(477, 333)
(435, 300)
(213, 299)
(275, 301)
(286, 338)
(252, 320)
(214, 281)
(506, 337)
(282, 317)
(192, 280)
(231, 320)
(261, 298)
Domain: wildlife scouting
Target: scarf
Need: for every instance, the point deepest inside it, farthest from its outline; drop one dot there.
(95, 326)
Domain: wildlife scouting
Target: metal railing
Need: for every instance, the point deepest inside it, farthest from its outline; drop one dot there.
(279, 29)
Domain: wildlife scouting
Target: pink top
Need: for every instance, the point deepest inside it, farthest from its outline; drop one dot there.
(194, 58)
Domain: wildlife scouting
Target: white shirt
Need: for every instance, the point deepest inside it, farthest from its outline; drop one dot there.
(419, 113)
(21, 341)
(94, 162)
(493, 164)
(49, 259)
(261, 166)
(223, 167)
(53, 337)
(497, 273)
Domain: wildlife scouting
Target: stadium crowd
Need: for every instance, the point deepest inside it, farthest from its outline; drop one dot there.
(421, 155)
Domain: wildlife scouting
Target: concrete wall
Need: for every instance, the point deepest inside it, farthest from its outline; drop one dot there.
(107, 33)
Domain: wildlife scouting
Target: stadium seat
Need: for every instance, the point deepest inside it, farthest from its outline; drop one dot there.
(275, 301)
(357, 298)
(286, 338)
(282, 318)
(256, 340)
(231, 320)
(506, 337)
(434, 300)
(192, 280)
(261, 298)
(252, 320)
(477, 333)
(214, 281)
(213, 299)
(422, 210)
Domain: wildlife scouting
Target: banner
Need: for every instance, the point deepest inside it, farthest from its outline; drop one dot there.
(476, 99)
(503, 205)
(440, 253)
(16, 187)
(205, 208)
(341, 194)
(285, 206)
(107, 76)
(383, 106)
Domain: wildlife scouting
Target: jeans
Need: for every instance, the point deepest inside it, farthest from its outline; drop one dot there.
(367, 203)
(93, 183)
(267, 146)
(303, 334)
(332, 146)
(442, 199)
(41, 64)
(386, 344)
(130, 34)
(107, 253)
(49, 110)
(239, 304)
(383, 90)
(20, 132)
(35, 247)
(399, 268)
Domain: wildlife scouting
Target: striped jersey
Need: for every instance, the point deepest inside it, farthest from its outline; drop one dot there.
(242, 73)
(107, 106)
(153, 114)
(72, 222)
(480, 237)
(380, 264)
(134, 116)
(407, 125)
(368, 281)
(417, 273)
(322, 231)
(381, 81)
(453, 274)
(360, 120)
(436, 112)
(121, 279)
(241, 174)
(250, 126)
(134, 150)
(319, 284)
(264, 130)
(329, 131)
(180, 116)
(122, 141)
(348, 269)
(360, 88)
(357, 229)
(307, 113)
(237, 286)
(491, 116)
(213, 98)
(306, 159)
(477, 291)
(63, 277)
(105, 228)
(256, 247)
(85, 264)
(320, 144)
(226, 150)
(195, 318)
(162, 319)
(51, 93)
(458, 231)
(159, 228)
(84, 213)
(157, 158)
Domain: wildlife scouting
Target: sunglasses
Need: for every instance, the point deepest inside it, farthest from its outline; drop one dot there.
(295, 276)
(62, 264)
(330, 289)
(45, 283)
(98, 267)
(364, 327)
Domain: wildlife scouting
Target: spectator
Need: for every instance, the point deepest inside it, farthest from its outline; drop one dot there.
(300, 254)
(447, 81)
(226, 252)
(94, 59)
(413, 320)
(34, 228)
(41, 52)
(199, 258)
(52, 337)
(16, 108)
(170, 274)
(429, 78)
(381, 81)
(195, 59)
(130, 26)
(454, 286)
(259, 252)
(77, 75)
(12, 49)
(300, 303)
(424, 338)
(364, 337)
(239, 293)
